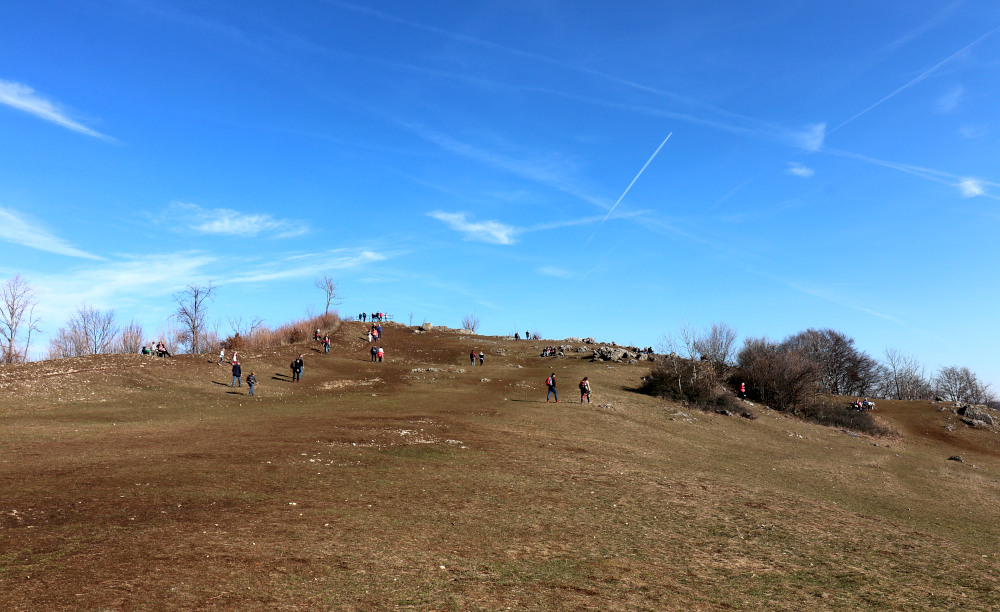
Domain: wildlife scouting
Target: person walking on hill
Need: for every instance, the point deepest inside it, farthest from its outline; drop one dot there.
(584, 390)
(381, 354)
(551, 383)
(743, 390)
(237, 375)
(251, 381)
(326, 344)
(374, 353)
(472, 357)
(222, 355)
(482, 358)
(300, 365)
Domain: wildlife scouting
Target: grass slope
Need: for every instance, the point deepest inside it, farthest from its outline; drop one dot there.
(129, 482)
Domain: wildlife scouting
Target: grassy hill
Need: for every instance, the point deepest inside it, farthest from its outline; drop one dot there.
(422, 483)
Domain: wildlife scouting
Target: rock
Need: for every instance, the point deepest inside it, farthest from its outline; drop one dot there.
(607, 353)
(572, 340)
(588, 340)
(956, 458)
(582, 349)
(746, 414)
(499, 351)
(484, 380)
(975, 423)
(976, 413)
(938, 398)
(426, 327)
(723, 412)
(949, 427)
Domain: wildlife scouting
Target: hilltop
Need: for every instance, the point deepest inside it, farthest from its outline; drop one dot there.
(424, 483)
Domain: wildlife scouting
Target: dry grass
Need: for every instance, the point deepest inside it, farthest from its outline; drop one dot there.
(131, 482)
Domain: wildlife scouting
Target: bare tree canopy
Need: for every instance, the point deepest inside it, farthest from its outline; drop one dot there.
(960, 384)
(327, 286)
(903, 377)
(191, 314)
(17, 319)
(470, 323)
(716, 345)
(88, 332)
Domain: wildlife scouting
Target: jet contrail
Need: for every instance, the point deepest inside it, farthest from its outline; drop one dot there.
(629, 186)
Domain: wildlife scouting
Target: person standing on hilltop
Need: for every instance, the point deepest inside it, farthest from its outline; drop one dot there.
(584, 390)
(550, 382)
(237, 375)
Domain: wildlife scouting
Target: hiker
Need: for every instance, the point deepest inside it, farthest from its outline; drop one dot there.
(302, 366)
(517, 336)
(472, 357)
(222, 355)
(316, 336)
(551, 383)
(381, 354)
(584, 390)
(251, 381)
(374, 353)
(326, 344)
(234, 357)
(743, 390)
(527, 335)
(481, 358)
(237, 373)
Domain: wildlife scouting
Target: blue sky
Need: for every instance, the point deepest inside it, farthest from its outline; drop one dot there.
(828, 164)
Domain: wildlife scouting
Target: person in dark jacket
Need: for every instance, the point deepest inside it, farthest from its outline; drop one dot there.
(237, 374)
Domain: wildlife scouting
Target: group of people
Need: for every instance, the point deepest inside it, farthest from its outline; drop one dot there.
(863, 405)
(550, 384)
(375, 316)
(325, 340)
(238, 373)
(378, 354)
(472, 358)
(160, 350)
(551, 351)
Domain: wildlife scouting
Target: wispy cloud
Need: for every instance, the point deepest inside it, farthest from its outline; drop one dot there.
(949, 101)
(972, 131)
(555, 272)
(811, 138)
(227, 222)
(24, 98)
(17, 229)
(492, 232)
(307, 265)
(797, 169)
(971, 188)
(967, 186)
(920, 77)
(552, 171)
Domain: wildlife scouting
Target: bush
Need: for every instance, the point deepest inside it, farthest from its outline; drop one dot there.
(844, 416)
(692, 382)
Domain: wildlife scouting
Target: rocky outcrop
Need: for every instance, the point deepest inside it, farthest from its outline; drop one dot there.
(620, 355)
(976, 416)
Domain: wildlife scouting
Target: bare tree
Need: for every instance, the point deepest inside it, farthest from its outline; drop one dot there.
(327, 286)
(88, 332)
(17, 319)
(960, 384)
(130, 338)
(903, 377)
(190, 314)
(716, 345)
(470, 323)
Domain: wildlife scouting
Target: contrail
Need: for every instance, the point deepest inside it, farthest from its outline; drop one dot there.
(620, 198)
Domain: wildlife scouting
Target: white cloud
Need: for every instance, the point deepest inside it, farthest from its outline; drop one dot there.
(810, 139)
(556, 272)
(971, 188)
(227, 222)
(797, 169)
(972, 131)
(16, 229)
(28, 100)
(949, 101)
(492, 232)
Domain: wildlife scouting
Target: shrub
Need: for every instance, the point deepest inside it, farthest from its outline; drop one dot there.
(842, 415)
(689, 381)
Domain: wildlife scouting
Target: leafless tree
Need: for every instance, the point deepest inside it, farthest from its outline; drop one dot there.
(777, 374)
(130, 338)
(716, 345)
(88, 332)
(842, 368)
(903, 377)
(327, 286)
(470, 323)
(17, 319)
(960, 384)
(190, 314)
